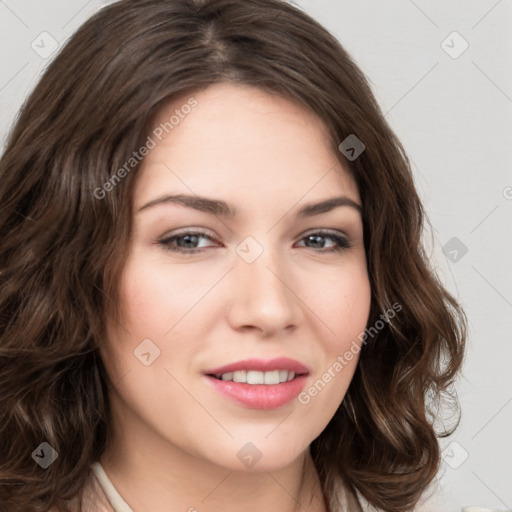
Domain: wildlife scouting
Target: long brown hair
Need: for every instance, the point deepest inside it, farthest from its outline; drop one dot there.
(63, 247)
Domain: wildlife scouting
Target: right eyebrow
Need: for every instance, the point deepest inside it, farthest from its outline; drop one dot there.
(203, 204)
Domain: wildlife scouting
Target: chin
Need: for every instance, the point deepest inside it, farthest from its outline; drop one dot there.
(258, 455)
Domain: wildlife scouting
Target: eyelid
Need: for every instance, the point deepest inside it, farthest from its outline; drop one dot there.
(190, 231)
(326, 231)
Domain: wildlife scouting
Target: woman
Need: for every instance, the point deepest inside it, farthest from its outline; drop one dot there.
(294, 361)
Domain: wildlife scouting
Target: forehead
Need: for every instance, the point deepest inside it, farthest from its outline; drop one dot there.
(240, 139)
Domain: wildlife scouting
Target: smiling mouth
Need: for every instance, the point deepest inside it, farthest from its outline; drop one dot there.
(255, 377)
(258, 383)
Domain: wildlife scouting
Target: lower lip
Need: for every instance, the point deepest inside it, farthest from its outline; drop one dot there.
(260, 396)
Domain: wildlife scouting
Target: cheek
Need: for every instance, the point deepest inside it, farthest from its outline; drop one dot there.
(345, 310)
(146, 313)
(155, 297)
(343, 305)
(163, 303)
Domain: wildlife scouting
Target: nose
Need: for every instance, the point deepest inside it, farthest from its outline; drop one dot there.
(262, 295)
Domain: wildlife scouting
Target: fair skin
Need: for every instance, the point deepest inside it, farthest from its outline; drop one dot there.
(175, 437)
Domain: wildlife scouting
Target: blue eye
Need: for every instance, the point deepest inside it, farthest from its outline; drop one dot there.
(187, 242)
(340, 242)
(184, 242)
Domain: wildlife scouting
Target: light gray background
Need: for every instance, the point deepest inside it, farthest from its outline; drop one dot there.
(453, 113)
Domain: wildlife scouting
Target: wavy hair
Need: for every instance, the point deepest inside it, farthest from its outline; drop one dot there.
(63, 248)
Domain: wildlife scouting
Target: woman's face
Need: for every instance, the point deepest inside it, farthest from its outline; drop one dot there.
(257, 295)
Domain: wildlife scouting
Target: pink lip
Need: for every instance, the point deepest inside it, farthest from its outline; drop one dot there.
(262, 365)
(260, 396)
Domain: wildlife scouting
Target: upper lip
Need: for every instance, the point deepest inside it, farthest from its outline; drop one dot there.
(262, 365)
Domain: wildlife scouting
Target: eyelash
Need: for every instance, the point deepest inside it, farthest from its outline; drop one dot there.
(341, 241)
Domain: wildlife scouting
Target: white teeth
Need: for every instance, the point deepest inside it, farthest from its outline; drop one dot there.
(254, 377)
(240, 376)
(272, 377)
(257, 377)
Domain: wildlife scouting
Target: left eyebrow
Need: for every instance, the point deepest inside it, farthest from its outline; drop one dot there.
(223, 209)
(311, 209)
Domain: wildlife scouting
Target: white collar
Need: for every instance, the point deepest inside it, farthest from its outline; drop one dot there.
(118, 504)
